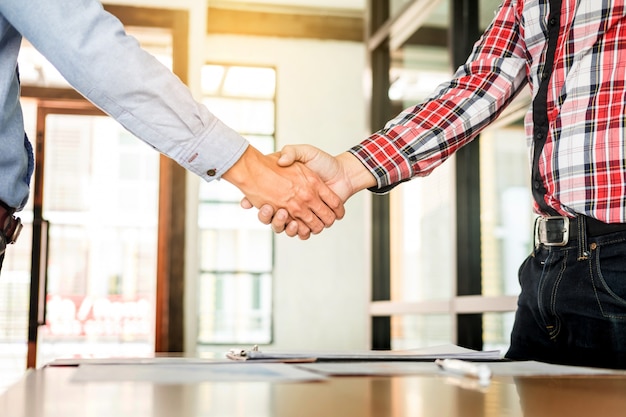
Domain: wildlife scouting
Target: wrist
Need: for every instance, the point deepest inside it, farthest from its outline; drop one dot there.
(356, 173)
(240, 172)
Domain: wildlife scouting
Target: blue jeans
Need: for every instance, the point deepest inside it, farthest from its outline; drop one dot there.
(572, 307)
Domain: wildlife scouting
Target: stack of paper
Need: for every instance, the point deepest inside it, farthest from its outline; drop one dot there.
(424, 354)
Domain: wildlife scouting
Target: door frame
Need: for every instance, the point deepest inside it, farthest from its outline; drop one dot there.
(169, 315)
(39, 255)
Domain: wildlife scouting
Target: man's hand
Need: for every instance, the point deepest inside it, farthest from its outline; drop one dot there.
(344, 174)
(295, 188)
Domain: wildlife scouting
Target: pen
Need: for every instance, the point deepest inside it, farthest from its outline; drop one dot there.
(464, 368)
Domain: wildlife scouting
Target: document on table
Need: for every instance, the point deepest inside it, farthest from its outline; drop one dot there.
(159, 360)
(422, 354)
(193, 372)
(500, 368)
(257, 366)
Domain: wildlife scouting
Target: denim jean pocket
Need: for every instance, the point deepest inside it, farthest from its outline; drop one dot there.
(608, 272)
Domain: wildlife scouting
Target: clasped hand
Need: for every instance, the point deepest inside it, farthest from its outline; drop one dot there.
(339, 174)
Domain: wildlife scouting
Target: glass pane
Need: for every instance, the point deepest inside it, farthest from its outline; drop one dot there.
(415, 331)
(236, 249)
(212, 77)
(14, 307)
(244, 116)
(101, 199)
(235, 308)
(497, 331)
(250, 82)
(422, 233)
(236, 81)
(415, 71)
(506, 208)
(15, 283)
(422, 211)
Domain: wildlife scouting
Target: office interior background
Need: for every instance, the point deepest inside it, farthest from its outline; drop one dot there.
(134, 256)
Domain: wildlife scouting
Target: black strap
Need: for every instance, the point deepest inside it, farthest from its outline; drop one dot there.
(540, 108)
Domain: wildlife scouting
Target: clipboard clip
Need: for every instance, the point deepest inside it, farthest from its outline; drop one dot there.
(241, 354)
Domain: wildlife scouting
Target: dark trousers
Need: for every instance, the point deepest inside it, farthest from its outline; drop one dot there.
(572, 306)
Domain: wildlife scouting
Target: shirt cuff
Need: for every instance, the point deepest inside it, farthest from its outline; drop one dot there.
(216, 153)
(385, 161)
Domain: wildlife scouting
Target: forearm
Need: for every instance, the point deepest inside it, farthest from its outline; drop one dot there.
(245, 171)
(357, 174)
(91, 50)
(424, 136)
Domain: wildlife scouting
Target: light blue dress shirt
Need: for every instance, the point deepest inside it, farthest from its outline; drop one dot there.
(91, 50)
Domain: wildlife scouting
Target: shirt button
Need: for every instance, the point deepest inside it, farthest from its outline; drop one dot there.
(552, 21)
(211, 172)
(536, 185)
(539, 136)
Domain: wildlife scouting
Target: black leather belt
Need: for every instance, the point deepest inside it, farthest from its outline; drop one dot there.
(10, 225)
(559, 230)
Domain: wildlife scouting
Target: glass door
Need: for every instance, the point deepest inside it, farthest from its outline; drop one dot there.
(99, 212)
(102, 279)
(448, 274)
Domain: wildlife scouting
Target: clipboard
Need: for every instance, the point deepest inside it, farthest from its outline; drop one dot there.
(422, 355)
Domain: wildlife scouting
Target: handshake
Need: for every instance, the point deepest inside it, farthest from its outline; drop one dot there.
(300, 190)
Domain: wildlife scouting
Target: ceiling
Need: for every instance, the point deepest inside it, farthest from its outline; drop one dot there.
(438, 17)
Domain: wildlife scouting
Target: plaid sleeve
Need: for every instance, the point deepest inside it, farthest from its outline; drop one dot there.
(421, 137)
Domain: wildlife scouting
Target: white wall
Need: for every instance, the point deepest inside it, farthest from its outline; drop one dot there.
(321, 285)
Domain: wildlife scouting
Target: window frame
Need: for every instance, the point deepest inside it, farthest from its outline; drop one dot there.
(385, 34)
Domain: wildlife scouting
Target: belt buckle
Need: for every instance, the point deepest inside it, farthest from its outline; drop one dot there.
(552, 230)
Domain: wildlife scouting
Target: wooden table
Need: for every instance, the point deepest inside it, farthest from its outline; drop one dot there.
(48, 392)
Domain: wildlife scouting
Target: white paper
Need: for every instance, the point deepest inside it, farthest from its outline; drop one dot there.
(134, 361)
(422, 354)
(502, 369)
(190, 373)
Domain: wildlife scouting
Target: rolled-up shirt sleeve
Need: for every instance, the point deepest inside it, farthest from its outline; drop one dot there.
(422, 137)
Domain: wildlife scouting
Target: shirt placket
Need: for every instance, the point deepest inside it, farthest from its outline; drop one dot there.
(540, 108)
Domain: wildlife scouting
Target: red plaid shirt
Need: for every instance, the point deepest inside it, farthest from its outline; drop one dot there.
(583, 162)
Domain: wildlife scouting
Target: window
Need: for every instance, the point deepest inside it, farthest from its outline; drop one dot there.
(236, 251)
(101, 199)
(439, 290)
(103, 234)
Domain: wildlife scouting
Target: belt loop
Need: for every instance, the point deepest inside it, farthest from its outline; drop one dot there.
(581, 224)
